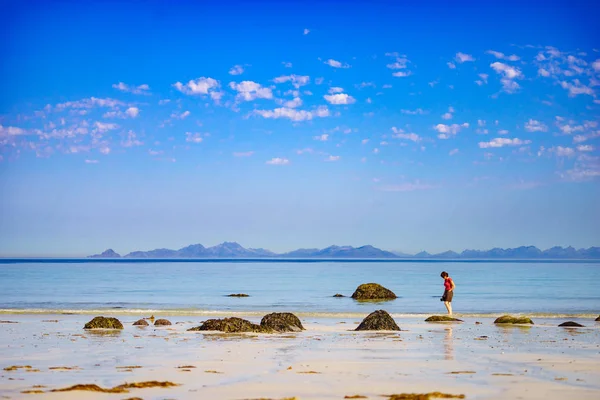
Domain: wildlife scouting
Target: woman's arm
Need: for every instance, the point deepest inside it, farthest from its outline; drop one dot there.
(453, 285)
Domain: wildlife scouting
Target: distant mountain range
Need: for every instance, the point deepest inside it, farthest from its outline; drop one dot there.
(234, 250)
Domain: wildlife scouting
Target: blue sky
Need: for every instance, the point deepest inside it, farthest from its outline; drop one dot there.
(411, 127)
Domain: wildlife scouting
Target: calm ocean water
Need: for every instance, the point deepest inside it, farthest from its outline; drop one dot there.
(543, 288)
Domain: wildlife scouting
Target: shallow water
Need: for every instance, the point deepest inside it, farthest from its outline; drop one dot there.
(483, 288)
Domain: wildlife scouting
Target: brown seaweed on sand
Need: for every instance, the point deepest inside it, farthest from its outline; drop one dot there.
(442, 318)
(356, 396)
(162, 322)
(238, 295)
(378, 320)
(32, 391)
(373, 291)
(16, 367)
(424, 396)
(147, 384)
(509, 319)
(91, 388)
(232, 324)
(141, 322)
(281, 322)
(104, 323)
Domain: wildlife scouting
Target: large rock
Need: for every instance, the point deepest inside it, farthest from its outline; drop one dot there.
(373, 291)
(597, 319)
(378, 320)
(442, 318)
(230, 325)
(281, 322)
(572, 324)
(141, 322)
(162, 322)
(104, 323)
(509, 319)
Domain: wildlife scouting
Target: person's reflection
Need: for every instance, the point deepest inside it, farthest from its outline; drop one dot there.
(448, 345)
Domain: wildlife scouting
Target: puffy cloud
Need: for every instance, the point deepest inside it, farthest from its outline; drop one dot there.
(561, 151)
(90, 103)
(278, 161)
(249, 90)
(132, 112)
(306, 31)
(450, 65)
(332, 158)
(583, 138)
(339, 98)
(286, 64)
(236, 70)
(446, 131)
(501, 56)
(6, 131)
(243, 154)
(336, 89)
(336, 64)
(297, 80)
(418, 111)
(322, 138)
(400, 134)
(193, 137)
(201, 86)
(293, 114)
(307, 150)
(402, 74)
(364, 141)
(483, 80)
(462, 57)
(91, 161)
(596, 65)
(296, 102)
(576, 88)
(447, 116)
(400, 63)
(543, 72)
(501, 142)
(508, 74)
(535, 126)
(141, 89)
(131, 140)
(105, 127)
(585, 148)
(183, 115)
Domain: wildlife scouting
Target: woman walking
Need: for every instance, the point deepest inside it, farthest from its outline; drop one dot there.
(448, 291)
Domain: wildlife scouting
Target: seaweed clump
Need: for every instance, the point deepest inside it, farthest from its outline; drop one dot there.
(378, 320)
(141, 322)
(281, 322)
(104, 323)
(571, 324)
(162, 322)
(230, 325)
(442, 318)
(117, 389)
(509, 319)
(597, 319)
(424, 396)
(238, 295)
(373, 291)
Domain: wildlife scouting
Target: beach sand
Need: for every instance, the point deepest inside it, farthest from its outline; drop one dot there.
(327, 361)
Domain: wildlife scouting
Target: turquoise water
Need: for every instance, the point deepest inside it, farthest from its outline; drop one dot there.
(538, 288)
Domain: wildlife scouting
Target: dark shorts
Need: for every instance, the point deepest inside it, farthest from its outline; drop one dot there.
(448, 296)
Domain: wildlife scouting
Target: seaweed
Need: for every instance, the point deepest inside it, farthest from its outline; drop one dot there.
(378, 320)
(91, 388)
(238, 295)
(141, 322)
(104, 323)
(232, 324)
(509, 319)
(162, 322)
(442, 318)
(424, 396)
(281, 322)
(146, 384)
(373, 291)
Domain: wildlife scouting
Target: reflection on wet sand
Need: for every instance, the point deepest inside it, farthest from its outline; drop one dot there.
(448, 345)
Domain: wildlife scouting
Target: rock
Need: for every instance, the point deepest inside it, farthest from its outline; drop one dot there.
(104, 323)
(338, 295)
(238, 295)
(141, 322)
(230, 325)
(571, 324)
(597, 319)
(281, 322)
(378, 320)
(509, 319)
(373, 291)
(442, 318)
(162, 322)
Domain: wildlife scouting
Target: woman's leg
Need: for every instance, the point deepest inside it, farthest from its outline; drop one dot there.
(448, 307)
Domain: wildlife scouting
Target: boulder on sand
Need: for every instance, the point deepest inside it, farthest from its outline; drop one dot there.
(230, 325)
(442, 318)
(597, 319)
(104, 323)
(281, 322)
(141, 322)
(509, 319)
(572, 324)
(373, 291)
(162, 322)
(378, 320)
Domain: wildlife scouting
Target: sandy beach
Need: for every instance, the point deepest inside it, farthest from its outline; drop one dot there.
(326, 361)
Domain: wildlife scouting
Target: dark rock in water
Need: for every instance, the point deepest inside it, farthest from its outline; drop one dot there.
(162, 322)
(104, 323)
(338, 295)
(442, 318)
(509, 319)
(238, 295)
(230, 325)
(378, 320)
(281, 322)
(597, 319)
(141, 322)
(373, 291)
(571, 324)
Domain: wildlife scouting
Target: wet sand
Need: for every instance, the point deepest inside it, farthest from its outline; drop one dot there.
(327, 361)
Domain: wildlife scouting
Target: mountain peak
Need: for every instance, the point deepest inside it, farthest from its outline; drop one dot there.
(109, 253)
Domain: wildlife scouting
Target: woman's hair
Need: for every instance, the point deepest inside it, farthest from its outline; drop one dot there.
(444, 274)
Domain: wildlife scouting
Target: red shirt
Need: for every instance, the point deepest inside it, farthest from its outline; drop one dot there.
(448, 283)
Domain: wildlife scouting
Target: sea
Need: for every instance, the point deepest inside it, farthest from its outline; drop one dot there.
(306, 287)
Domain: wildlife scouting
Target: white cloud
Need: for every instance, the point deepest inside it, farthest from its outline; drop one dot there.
(583, 138)
(400, 63)
(451, 65)
(336, 89)
(462, 57)
(91, 161)
(292, 114)
(501, 142)
(339, 98)
(503, 132)
(296, 102)
(585, 148)
(131, 140)
(561, 151)
(418, 111)
(201, 86)
(508, 74)
(535, 126)
(401, 74)
(543, 72)
(10, 131)
(278, 161)
(286, 64)
(447, 116)
(576, 88)
(141, 89)
(132, 112)
(333, 158)
(399, 134)
(297, 80)
(364, 141)
(249, 91)
(306, 150)
(322, 138)
(453, 152)
(501, 56)
(183, 115)
(446, 131)
(90, 103)
(336, 64)
(105, 127)
(193, 137)
(596, 65)
(243, 154)
(236, 70)
(306, 31)
(483, 80)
